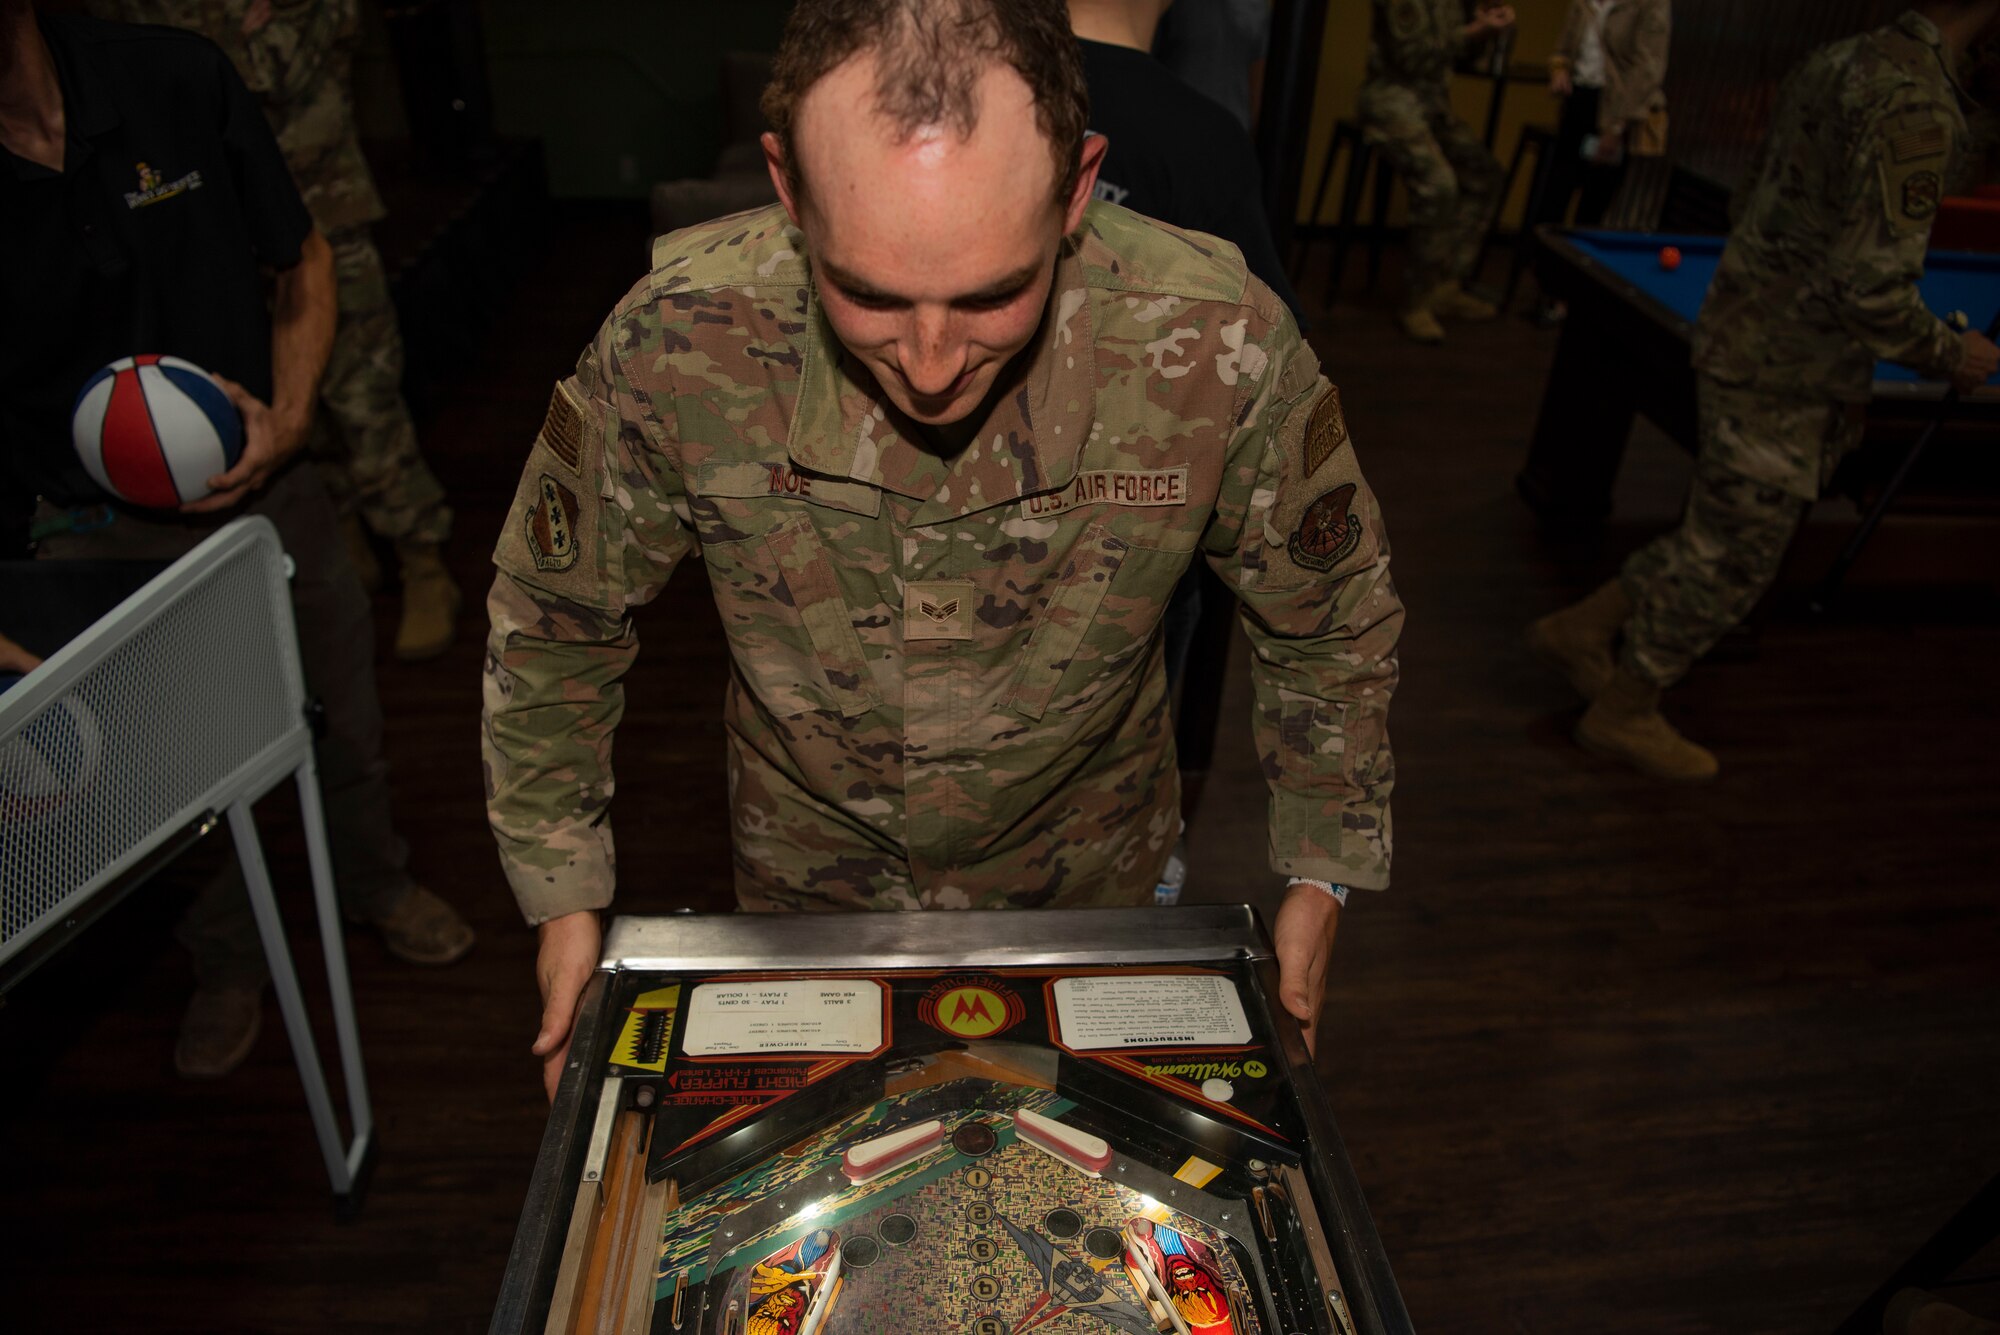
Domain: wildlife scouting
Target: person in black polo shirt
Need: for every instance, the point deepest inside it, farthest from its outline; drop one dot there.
(1175, 155)
(145, 207)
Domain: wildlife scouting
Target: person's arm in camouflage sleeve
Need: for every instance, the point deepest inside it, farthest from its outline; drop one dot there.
(595, 530)
(1896, 179)
(287, 47)
(1298, 535)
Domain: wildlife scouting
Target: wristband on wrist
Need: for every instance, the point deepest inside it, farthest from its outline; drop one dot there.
(1334, 888)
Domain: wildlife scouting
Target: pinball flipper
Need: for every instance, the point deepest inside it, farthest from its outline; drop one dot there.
(884, 1154)
(1079, 1149)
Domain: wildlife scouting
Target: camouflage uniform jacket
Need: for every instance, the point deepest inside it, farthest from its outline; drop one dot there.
(1819, 279)
(299, 65)
(1414, 42)
(947, 686)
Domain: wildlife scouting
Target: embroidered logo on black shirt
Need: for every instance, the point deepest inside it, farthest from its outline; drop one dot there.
(152, 190)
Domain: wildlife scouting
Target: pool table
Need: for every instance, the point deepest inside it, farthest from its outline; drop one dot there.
(1625, 346)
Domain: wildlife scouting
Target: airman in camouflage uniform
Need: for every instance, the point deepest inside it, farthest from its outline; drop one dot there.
(945, 436)
(297, 55)
(1818, 282)
(948, 688)
(1453, 181)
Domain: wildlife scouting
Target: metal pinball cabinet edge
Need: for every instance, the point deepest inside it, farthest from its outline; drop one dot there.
(991, 1122)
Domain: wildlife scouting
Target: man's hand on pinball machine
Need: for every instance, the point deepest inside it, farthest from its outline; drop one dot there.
(1303, 938)
(567, 952)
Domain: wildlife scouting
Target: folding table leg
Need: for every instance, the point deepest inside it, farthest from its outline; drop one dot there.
(343, 1162)
(347, 1034)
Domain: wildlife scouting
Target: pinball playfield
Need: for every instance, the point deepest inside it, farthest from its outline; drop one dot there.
(1074, 1123)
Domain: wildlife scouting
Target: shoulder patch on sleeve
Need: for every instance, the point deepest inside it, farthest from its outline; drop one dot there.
(1910, 138)
(1921, 192)
(1911, 193)
(562, 428)
(1327, 530)
(551, 520)
(1915, 150)
(1326, 432)
(1314, 508)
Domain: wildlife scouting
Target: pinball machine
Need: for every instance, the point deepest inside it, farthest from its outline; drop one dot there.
(1077, 1122)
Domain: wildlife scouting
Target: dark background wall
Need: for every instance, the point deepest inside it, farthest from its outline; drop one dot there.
(1728, 58)
(620, 93)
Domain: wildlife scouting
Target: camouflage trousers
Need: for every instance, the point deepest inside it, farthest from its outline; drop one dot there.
(1454, 182)
(362, 437)
(1762, 461)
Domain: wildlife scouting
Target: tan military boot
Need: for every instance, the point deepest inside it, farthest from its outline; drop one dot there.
(1623, 723)
(1455, 303)
(218, 1031)
(361, 554)
(1421, 325)
(422, 929)
(1914, 1312)
(430, 603)
(1580, 640)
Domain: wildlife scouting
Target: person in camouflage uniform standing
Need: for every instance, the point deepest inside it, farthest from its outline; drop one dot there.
(1454, 182)
(946, 435)
(297, 56)
(1818, 282)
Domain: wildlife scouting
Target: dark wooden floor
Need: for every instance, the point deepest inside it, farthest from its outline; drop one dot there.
(1609, 1057)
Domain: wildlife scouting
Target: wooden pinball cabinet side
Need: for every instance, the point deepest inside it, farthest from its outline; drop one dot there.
(604, 1284)
(1326, 1197)
(583, 1255)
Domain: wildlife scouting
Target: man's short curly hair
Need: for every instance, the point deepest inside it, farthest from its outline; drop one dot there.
(930, 54)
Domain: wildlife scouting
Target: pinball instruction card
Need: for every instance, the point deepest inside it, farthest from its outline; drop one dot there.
(946, 1122)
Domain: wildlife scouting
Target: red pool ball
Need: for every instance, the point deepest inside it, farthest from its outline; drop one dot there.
(1670, 258)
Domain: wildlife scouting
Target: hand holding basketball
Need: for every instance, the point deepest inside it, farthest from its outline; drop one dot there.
(267, 443)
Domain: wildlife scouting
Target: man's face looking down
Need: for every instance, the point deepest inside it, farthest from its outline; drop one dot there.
(933, 254)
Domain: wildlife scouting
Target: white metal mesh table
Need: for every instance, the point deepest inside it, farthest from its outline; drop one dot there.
(181, 706)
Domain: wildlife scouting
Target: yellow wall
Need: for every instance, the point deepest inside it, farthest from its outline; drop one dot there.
(1344, 63)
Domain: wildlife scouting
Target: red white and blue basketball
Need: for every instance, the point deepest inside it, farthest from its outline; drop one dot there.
(153, 430)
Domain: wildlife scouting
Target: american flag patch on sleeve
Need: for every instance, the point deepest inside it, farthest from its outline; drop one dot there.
(1916, 142)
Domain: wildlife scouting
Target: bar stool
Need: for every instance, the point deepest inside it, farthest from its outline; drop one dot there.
(1361, 155)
